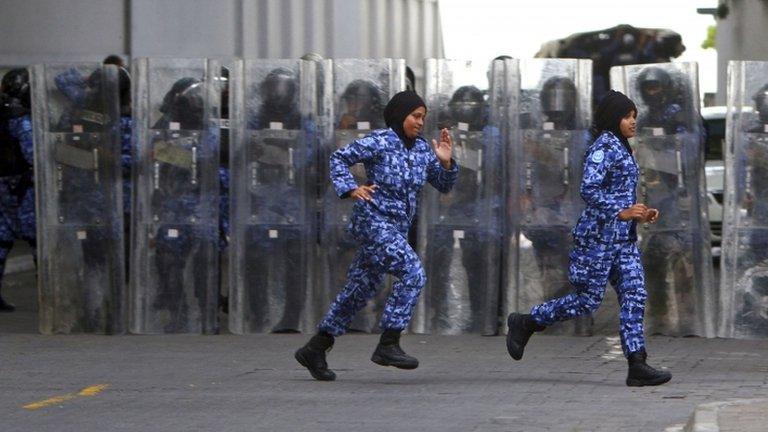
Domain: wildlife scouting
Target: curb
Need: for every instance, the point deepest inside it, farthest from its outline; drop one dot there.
(705, 416)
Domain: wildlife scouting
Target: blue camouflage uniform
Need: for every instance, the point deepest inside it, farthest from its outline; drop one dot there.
(126, 125)
(380, 226)
(604, 246)
(74, 86)
(17, 194)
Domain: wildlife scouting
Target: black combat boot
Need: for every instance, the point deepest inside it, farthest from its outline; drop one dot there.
(520, 327)
(640, 374)
(389, 353)
(312, 356)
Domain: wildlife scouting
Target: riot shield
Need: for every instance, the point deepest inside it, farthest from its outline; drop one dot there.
(273, 195)
(544, 175)
(744, 260)
(360, 90)
(174, 259)
(76, 123)
(460, 232)
(668, 148)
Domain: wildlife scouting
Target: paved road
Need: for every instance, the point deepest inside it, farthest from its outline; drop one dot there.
(465, 383)
(252, 383)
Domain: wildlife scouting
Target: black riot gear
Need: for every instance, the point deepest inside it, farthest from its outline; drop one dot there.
(467, 105)
(362, 102)
(761, 103)
(655, 86)
(558, 102)
(183, 104)
(15, 83)
(279, 99)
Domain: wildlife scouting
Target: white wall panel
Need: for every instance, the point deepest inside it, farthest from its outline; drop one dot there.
(40, 29)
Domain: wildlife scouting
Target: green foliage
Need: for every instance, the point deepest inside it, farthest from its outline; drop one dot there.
(709, 42)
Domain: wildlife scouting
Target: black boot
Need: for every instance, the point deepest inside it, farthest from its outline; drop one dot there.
(5, 306)
(640, 374)
(389, 353)
(312, 356)
(520, 327)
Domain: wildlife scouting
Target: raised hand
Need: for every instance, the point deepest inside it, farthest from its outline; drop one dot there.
(444, 148)
(364, 192)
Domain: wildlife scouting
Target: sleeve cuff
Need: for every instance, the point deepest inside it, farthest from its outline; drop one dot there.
(345, 190)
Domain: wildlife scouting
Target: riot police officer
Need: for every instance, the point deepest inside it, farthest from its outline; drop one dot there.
(459, 231)
(552, 144)
(361, 104)
(752, 282)
(179, 198)
(662, 98)
(275, 255)
(668, 256)
(17, 195)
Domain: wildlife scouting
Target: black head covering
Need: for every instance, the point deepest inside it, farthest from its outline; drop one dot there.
(398, 108)
(614, 107)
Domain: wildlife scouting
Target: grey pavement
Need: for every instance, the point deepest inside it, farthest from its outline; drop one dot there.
(465, 383)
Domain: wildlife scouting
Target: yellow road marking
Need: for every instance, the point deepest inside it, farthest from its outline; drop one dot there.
(93, 390)
(86, 392)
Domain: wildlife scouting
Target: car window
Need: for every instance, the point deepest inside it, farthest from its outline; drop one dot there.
(715, 136)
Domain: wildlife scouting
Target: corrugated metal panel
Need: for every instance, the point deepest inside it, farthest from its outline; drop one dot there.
(407, 29)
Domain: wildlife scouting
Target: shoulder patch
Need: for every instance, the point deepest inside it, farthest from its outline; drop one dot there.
(598, 156)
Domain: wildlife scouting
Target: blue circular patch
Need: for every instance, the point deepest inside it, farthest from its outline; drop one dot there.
(598, 156)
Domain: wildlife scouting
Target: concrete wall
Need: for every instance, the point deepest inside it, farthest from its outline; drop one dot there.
(740, 36)
(44, 30)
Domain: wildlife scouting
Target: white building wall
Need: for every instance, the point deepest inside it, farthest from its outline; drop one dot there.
(740, 36)
(43, 30)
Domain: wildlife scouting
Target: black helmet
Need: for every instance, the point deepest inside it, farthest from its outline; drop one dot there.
(761, 103)
(184, 103)
(655, 86)
(279, 91)
(94, 87)
(558, 102)
(15, 83)
(363, 101)
(467, 105)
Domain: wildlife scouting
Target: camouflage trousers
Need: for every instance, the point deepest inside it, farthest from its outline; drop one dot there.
(591, 268)
(17, 215)
(381, 251)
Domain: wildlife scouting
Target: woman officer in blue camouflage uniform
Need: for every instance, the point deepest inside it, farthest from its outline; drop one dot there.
(398, 162)
(604, 244)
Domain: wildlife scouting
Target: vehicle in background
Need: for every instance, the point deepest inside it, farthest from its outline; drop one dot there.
(714, 125)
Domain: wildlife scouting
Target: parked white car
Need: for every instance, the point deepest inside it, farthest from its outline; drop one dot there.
(714, 124)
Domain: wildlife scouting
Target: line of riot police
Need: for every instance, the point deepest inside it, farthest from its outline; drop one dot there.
(231, 158)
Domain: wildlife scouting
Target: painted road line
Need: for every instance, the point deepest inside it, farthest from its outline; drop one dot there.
(86, 392)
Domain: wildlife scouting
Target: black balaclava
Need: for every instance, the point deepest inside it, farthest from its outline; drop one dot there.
(398, 108)
(614, 107)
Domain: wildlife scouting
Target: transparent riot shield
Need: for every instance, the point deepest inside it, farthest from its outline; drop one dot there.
(174, 262)
(544, 175)
(273, 195)
(460, 232)
(744, 260)
(76, 123)
(668, 148)
(359, 92)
